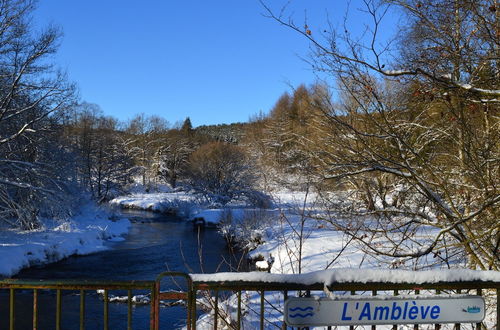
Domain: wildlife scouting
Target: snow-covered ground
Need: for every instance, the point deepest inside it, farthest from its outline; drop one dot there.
(162, 202)
(291, 240)
(295, 243)
(83, 234)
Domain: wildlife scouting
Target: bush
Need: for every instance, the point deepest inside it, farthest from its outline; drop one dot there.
(220, 172)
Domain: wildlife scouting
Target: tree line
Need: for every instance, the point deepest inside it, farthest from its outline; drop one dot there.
(54, 148)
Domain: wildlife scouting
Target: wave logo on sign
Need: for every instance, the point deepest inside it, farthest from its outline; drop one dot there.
(306, 310)
(473, 309)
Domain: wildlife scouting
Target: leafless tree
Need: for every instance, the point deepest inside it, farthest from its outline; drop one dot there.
(103, 154)
(220, 172)
(146, 138)
(173, 155)
(413, 140)
(32, 93)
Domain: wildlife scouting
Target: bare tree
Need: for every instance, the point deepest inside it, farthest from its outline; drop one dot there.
(145, 142)
(173, 156)
(102, 151)
(220, 172)
(32, 93)
(414, 139)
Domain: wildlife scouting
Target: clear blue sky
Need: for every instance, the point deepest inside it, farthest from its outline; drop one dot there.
(215, 61)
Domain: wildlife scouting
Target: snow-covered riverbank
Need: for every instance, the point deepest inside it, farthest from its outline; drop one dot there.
(294, 229)
(180, 203)
(294, 238)
(83, 234)
(291, 238)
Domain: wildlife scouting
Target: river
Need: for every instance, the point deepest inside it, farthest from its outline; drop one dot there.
(155, 243)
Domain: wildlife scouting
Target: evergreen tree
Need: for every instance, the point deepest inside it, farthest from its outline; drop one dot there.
(187, 127)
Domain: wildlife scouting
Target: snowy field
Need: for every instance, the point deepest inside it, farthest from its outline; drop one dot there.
(290, 240)
(85, 233)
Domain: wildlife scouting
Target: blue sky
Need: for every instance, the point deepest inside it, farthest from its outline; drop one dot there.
(215, 61)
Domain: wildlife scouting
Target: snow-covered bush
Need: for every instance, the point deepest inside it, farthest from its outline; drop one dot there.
(246, 227)
(220, 172)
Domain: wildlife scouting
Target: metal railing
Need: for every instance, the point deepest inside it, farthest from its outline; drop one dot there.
(82, 288)
(212, 291)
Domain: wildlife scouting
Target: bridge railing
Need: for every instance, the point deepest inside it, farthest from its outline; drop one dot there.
(82, 288)
(77, 287)
(211, 287)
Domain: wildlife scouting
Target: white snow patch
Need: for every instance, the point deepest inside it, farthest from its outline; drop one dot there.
(213, 216)
(180, 202)
(262, 264)
(83, 234)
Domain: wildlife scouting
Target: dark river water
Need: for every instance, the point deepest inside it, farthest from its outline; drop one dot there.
(155, 243)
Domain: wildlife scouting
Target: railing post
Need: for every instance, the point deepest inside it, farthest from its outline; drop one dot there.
(285, 297)
(12, 313)
(58, 309)
(417, 292)
(192, 306)
(351, 327)
(129, 310)
(155, 306)
(189, 322)
(396, 293)
(437, 326)
(82, 309)
(262, 297)
(457, 325)
(35, 309)
(106, 310)
(239, 310)
(498, 309)
(374, 293)
(216, 308)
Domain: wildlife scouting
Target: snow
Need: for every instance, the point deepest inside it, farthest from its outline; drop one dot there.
(494, 92)
(262, 264)
(328, 256)
(184, 204)
(162, 202)
(277, 237)
(355, 275)
(395, 72)
(85, 233)
(213, 216)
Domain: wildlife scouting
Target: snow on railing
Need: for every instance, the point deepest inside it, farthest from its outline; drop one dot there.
(350, 275)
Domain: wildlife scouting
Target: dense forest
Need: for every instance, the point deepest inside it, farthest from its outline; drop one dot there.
(413, 146)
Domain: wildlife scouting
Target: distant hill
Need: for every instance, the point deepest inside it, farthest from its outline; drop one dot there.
(230, 133)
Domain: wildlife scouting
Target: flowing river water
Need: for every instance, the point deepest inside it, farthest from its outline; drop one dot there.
(155, 243)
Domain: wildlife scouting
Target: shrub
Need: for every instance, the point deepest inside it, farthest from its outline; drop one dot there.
(220, 172)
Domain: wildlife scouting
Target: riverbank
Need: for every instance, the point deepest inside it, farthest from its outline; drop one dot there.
(155, 243)
(177, 203)
(84, 233)
(270, 235)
